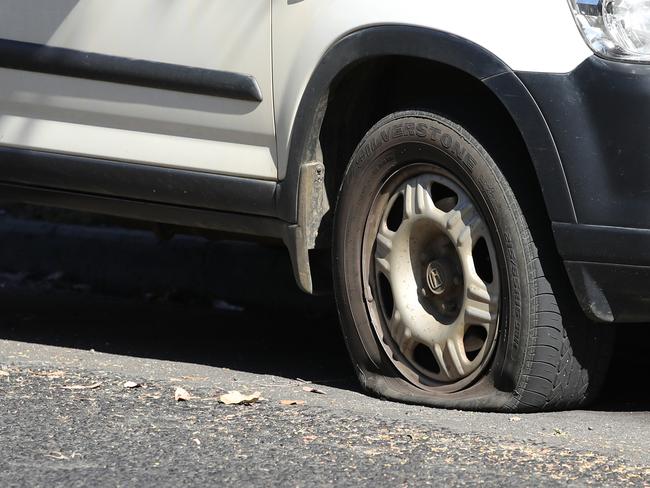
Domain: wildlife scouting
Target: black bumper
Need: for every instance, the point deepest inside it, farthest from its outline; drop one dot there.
(599, 117)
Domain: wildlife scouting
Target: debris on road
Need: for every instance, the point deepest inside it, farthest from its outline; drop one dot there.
(359, 436)
(59, 456)
(3, 373)
(514, 419)
(311, 389)
(83, 387)
(182, 395)
(132, 384)
(237, 398)
(289, 403)
(188, 378)
(49, 374)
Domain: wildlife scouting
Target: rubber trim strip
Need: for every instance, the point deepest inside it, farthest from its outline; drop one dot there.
(40, 58)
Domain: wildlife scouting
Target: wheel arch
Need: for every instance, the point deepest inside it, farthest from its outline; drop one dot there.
(340, 85)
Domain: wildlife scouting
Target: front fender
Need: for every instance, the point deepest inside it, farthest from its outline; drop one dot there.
(439, 47)
(293, 206)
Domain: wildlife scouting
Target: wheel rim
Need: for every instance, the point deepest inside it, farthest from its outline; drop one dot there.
(430, 262)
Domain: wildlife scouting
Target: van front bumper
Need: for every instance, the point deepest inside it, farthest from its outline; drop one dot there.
(599, 117)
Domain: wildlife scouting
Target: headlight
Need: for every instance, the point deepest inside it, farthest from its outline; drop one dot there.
(615, 29)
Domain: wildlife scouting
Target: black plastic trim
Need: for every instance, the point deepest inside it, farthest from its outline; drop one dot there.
(137, 181)
(540, 144)
(102, 67)
(611, 292)
(609, 268)
(599, 115)
(440, 47)
(603, 244)
(153, 212)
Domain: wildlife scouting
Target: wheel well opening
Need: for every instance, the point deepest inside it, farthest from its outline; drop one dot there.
(372, 89)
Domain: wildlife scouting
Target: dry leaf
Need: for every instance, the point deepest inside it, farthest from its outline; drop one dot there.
(3, 373)
(189, 378)
(181, 395)
(292, 402)
(83, 387)
(132, 384)
(236, 398)
(49, 374)
(311, 389)
(59, 456)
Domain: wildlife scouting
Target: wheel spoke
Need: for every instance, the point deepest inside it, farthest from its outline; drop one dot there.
(458, 357)
(402, 336)
(463, 218)
(480, 305)
(451, 358)
(417, 199)
(383, 266)
(384, 242)
(384, 246)
(478, 316)
(465, 224)
(440, 359)
(471, 233)
(395, 323)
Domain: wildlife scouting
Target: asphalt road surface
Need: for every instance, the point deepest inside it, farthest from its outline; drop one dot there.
(66, 418)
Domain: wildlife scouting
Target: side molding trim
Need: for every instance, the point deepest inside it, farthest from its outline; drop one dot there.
(40, 58)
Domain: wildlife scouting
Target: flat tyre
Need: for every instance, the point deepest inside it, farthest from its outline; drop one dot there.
(443, 295)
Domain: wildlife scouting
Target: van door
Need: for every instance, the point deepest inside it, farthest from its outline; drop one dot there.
(174, 83)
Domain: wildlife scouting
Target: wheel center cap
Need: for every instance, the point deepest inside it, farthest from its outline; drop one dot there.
(437, 277)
